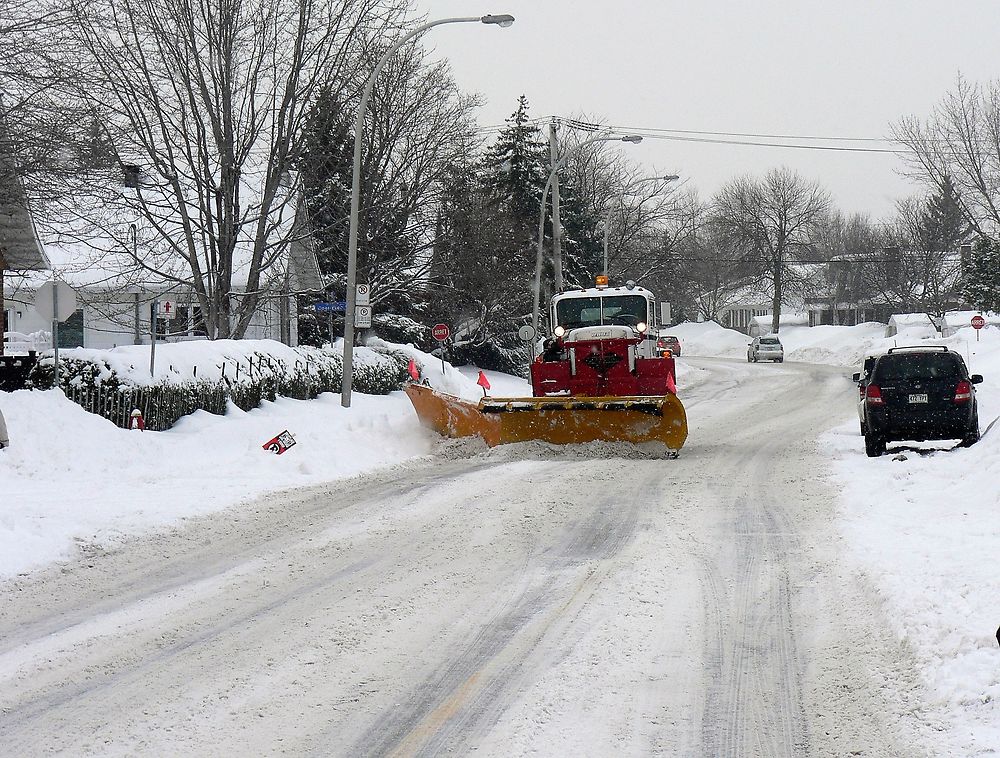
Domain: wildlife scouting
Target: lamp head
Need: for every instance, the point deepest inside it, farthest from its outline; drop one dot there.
(502, 20)
(670, 177)
(633, 138)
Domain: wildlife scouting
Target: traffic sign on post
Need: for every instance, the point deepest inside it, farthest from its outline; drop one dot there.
(337, 306)
(440, 332)
(978, 322)
(363, 295)
(363, 317)
(55, 301)
(166, 309)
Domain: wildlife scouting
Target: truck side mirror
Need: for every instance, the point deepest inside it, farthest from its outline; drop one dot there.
(856, 377)
(976, 378)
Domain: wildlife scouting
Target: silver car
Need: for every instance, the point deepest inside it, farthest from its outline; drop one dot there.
(767, 348)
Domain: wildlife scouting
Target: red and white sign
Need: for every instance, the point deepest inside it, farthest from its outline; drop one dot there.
(166, 309)
(280, 443)
(978, 322)
(440, 332)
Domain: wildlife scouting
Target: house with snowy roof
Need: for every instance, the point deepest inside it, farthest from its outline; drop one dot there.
(120, 248)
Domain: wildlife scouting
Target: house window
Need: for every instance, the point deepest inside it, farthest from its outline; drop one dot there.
(71, 331)
(189, 321)
(163, 326)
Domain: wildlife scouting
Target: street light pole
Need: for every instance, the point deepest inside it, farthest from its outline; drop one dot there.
(502, 20)
(540, 252)
(617, 201)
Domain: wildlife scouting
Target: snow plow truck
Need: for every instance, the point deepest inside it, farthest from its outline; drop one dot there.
(599, 377)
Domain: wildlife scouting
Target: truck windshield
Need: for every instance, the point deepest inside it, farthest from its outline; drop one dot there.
(627, 310)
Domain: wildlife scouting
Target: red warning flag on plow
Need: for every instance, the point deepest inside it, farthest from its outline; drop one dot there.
(671, 384)
(412, 369)
(483, 381)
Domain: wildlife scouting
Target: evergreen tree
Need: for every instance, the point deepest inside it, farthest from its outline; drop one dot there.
(982, 276)
(326, 166)
(943, 222)
(516, 166)
(583, 240)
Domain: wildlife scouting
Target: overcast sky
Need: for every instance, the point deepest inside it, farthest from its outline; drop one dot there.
(849, 68)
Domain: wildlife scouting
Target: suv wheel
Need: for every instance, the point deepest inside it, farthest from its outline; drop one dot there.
(972, 436)
(874, 445)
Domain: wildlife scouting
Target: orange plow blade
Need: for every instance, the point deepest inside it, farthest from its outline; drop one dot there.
(558, 420)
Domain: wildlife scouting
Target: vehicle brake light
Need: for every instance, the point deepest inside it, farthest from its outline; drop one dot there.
(873, 395)
(963, 392)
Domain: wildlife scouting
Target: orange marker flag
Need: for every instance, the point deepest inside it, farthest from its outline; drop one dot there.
(412, 369)
(483, 382)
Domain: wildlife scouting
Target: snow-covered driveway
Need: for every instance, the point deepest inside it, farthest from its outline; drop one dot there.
(508, 602)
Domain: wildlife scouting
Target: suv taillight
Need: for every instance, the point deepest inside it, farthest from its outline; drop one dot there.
(873, 395)
(963, 392)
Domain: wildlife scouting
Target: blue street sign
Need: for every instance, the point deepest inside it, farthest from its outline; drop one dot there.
(338, 305)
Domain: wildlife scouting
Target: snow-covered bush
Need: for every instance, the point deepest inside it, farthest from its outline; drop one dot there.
(90, 379)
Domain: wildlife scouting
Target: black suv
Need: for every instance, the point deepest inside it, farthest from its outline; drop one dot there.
(919, 393)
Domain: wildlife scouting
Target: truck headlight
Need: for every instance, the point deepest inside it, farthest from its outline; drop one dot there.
(641, 327)
(559, 331)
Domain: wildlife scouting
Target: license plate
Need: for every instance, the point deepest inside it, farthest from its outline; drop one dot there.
(921, 398)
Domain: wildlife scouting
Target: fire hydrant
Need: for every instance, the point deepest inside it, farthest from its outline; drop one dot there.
(136, 421)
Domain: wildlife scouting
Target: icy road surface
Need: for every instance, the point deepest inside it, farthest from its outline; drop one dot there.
(518, 601)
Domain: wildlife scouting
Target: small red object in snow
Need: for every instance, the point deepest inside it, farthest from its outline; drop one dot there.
(412, 369)
(483, 382)
(136, 421)
(280, 443)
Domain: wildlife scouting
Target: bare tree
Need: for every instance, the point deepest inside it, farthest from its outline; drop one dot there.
(774, 220)
(712, 270)
(203, 105)
(420, 120)
(960, 143)
(646, 219)
(930, 265)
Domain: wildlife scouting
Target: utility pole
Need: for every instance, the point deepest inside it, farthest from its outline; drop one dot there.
(556, 225)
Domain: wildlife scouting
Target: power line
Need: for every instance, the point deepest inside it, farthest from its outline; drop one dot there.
(755, 139)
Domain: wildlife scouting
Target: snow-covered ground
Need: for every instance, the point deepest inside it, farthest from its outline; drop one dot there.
(921, 522)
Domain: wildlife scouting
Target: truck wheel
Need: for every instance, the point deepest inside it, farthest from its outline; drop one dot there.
(874, 445)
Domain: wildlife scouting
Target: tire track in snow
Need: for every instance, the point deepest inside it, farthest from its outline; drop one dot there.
(463, 701)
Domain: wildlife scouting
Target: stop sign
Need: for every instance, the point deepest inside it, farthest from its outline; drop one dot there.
(440, 332)
(978, 322)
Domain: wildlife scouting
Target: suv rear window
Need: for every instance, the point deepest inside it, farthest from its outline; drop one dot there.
(769, 341)
(917, 366)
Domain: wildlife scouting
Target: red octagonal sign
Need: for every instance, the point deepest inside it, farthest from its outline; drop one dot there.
(978, 322)
(440, 332)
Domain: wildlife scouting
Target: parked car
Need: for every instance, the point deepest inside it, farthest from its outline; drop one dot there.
(767, 348)
(668, 342)
(919, 393)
